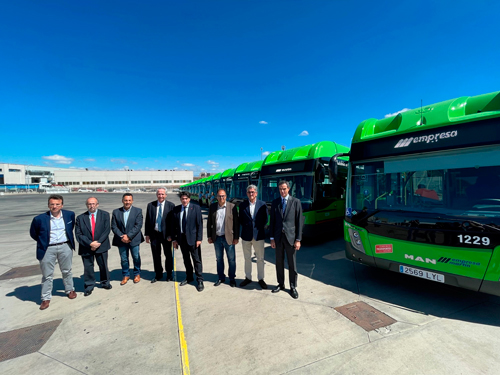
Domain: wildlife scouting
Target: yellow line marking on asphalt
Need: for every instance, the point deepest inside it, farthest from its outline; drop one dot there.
(182, 339)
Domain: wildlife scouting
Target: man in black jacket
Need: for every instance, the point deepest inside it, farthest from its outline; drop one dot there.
(158, 228)
(92, 233)
(188, 233)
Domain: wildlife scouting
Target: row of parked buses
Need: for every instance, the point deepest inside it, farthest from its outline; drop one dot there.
(421, 190)
(307, 171)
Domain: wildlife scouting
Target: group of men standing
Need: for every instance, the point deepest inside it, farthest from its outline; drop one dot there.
(167, 225)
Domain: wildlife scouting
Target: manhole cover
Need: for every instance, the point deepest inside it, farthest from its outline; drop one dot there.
(21, 272)
(26, 340)
(365, 316)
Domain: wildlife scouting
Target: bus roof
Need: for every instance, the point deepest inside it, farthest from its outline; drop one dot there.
(460, 110)
(216, 176)
(254, 166)
(314, 151)
(228, 172)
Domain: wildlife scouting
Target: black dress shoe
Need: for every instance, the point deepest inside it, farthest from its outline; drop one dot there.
(278, 288)
(107, 286)
(154, 281)
(232, 283)
(183, 282)
(170, 278)
(200, 286)
(262, 284)
(245, 282)
(87, 293)
(218, 282)
(294, 293)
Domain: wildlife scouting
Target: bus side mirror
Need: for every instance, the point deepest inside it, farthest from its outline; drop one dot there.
(320, 175)
(333, 166)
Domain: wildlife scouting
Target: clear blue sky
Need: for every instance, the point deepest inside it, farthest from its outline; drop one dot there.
(203, 85)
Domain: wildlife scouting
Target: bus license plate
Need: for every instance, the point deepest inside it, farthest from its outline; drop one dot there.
(422, 274)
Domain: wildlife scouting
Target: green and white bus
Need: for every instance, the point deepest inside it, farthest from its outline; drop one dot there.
(244, 175)
(226, 181)
(423, 193)
(306, 169)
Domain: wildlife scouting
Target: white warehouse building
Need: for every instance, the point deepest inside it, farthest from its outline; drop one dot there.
(80, 178)
(121, 179)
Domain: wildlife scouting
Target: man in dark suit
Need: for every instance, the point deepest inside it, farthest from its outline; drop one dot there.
(92, 233)
(126, 224)
(158, 228)
(286, 234)
(53, 233)
(223, 230)
(188, 233)
(253, 219)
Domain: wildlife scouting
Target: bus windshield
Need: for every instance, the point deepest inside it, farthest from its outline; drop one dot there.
(240, 189)
(467, 192)
(300, 187)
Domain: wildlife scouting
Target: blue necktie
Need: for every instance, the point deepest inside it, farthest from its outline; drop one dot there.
(283, 203)
(158, 219)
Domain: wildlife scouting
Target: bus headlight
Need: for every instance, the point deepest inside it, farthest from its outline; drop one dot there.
(356, 240)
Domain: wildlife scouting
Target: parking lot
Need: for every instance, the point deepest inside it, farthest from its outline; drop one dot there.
(138, 328)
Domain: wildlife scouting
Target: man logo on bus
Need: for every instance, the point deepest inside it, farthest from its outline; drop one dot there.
(432, 138)
(420, 259)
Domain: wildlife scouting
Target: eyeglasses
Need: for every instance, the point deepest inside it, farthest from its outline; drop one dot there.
(251, 192)
(220, 196)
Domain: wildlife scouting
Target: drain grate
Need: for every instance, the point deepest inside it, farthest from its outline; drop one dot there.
(15, 273)
(365, 316)
(26, 340)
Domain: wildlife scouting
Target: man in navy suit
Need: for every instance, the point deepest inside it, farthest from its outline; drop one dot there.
(253, 219)
(126, 225)
(158, 228)
(286, 233)
(53, 233)
(92, 233)
(188, 233)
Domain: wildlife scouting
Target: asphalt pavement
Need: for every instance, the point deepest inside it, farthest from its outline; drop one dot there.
(163, 328)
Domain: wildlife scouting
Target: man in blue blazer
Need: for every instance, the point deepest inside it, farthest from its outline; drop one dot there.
(92, 233)
(53, 233)
(253, 219)
(286, 234)
(126, 225)
(188, 233)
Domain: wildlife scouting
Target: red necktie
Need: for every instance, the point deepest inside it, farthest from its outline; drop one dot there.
(92, 220)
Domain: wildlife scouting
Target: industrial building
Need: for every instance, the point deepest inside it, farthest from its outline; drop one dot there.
(92, 179)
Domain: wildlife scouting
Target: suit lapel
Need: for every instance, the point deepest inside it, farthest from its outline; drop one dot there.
(98, 224)
(122, 218)
(87, 222)
(247, 210)
(47, 224)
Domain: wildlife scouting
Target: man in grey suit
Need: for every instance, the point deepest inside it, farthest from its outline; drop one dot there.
(92, 233)
(223, 230)
(286, 234)
(126, 225)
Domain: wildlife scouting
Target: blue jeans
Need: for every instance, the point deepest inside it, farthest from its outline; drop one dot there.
(136, 257)
(220, 245)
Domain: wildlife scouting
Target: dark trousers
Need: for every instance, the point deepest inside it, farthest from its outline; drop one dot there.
(193, 252)
(88, 269)
(282, 247)
(156, 245)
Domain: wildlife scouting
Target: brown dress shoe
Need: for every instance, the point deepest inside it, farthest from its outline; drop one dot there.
(125, 279)
(72, 295)
(137, 279)
(45, 304)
